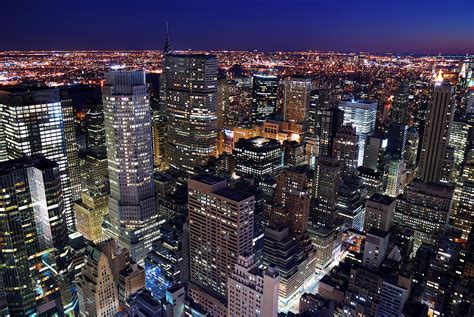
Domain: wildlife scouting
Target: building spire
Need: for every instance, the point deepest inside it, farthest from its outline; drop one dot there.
(167, 48)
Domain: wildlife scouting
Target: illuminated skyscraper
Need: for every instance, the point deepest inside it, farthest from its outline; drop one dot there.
(221, 222)
(132, 209)
(434, 160)
(296, 99)
(34, 245)
(264, 96)
(35, 123)
(191, 105)
(362, 116)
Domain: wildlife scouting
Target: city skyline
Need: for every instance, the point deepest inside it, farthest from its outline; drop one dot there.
(264, 180)
(421, 27)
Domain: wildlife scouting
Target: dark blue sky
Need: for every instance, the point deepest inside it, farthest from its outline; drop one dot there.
(414, 26)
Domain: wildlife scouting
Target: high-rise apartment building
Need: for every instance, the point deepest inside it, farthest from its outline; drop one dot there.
(264, 96)
(252, 291)
(296, 92)
(132, 207)
(362, 115)
(35, 123)
(34, 245)
(191, 106)
(221, 222)
(434, 161)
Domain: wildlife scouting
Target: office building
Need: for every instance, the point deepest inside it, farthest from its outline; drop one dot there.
(349, 202)
(98, 293)
(294, 259)
(399, 109)
(221, 222)
(293, 153)
(459, 141)
(34, 123)
(345, 148)
(252, 291)
(296, 92)
(191, 106)
(132, 207)
(463, 202)
(411, 148)
(132, 279)
(264, 96)
(374, 154)
(95, 130)
(158, 132)
(292, 201)
(373, 181)
(395, 177)
(396, 139)
(434, 161)
(93, 206)
(3, 145)
(328, 181)
(375, 249)
(34, 243)
(328, 123)
(164, 265)
(326, 243)
(424, 208)
(362, 116)
(379, 210)
(257, 156)
(71, 146)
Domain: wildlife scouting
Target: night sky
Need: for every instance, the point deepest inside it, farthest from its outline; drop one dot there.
(410, 26)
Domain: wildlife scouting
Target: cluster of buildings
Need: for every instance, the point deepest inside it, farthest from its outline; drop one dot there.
(235, 191)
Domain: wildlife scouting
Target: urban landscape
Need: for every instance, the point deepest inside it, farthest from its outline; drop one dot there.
(176, 182)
